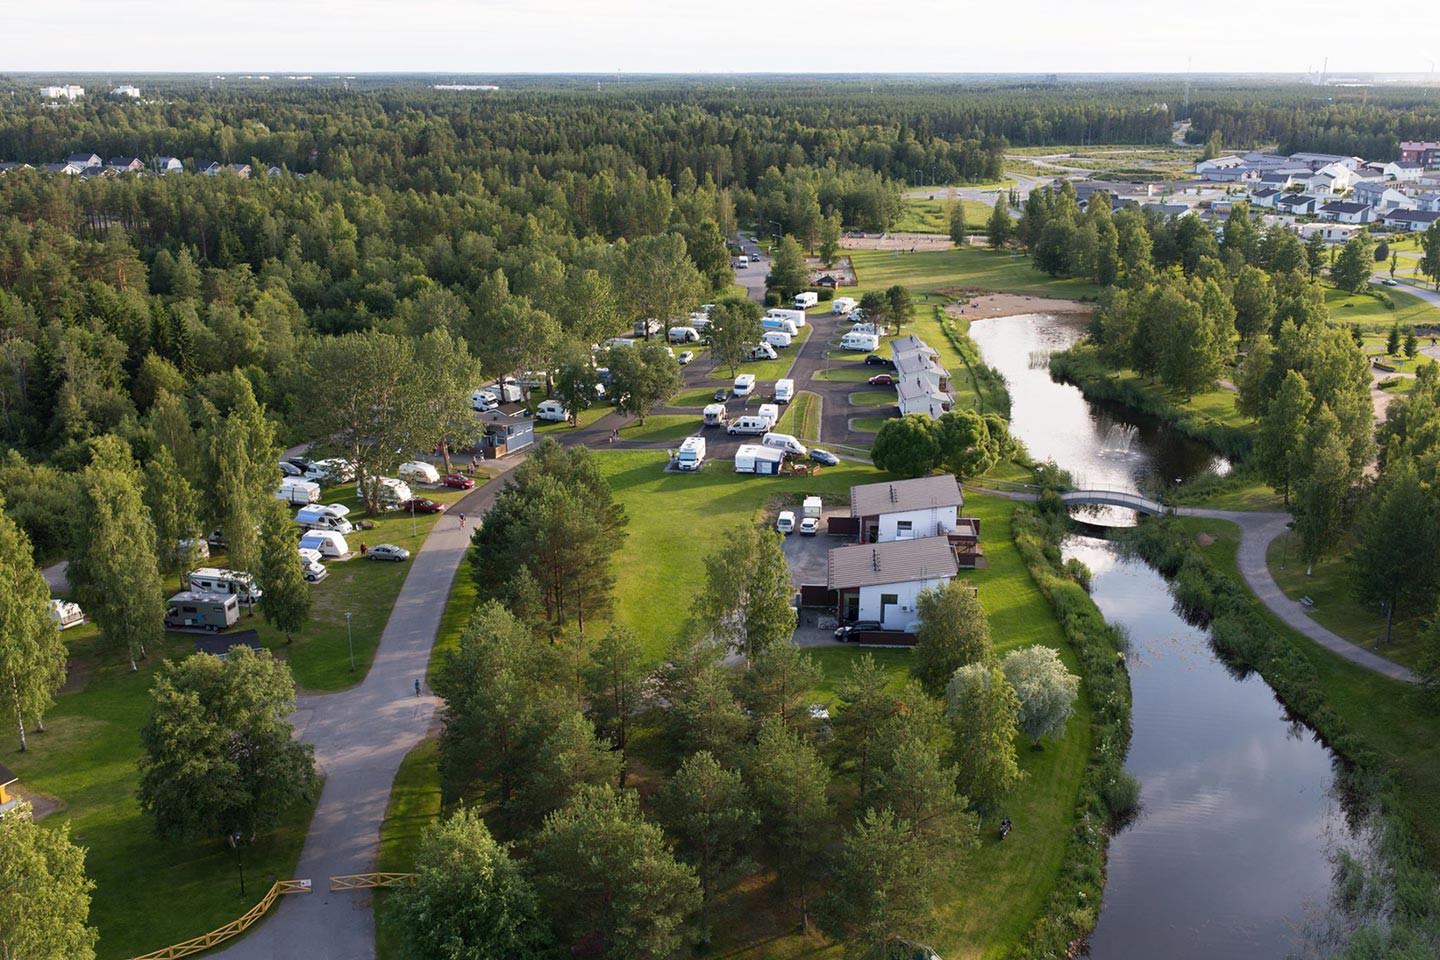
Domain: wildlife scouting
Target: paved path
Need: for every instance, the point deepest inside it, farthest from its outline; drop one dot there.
(1257, 531)
(360, 736)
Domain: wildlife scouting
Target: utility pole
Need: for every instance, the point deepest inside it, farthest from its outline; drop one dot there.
(350, 635)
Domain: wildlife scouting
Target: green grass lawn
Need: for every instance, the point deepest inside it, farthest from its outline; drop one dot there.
(868, 424)
(414, 805)
(874, 398)
(1239, 494)
(847, 374)
(1336, 607)
(969, 267)
(768, 370)
(660, 426)
(1389, 716)
(801, 416)
(697, 398)
(920, 215)
(88, 761)
(586, 418)
(1371, 314)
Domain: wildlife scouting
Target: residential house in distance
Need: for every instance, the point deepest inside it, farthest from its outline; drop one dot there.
(1316, 161)
(1229, 162)
(1342, 212)
(85, 160)
(1406, 170)
(922, 384)
(68, 91)
(68, 169)
(9, 165)
(239, 169)
(906, 509)
(208, 168)
(125, 164)
(1264, 197)
(1427, 201)
(1380, 195)
(1331, 233)
(1424, 152)
(126, 90)
(1296, 204)
(1411, 220)
(1273, 180)
(164, 165)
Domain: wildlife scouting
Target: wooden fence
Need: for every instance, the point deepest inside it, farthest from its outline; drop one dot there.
(233, 928)
(370, 881)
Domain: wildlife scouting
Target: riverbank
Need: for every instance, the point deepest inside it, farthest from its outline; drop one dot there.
(1209, 417)
(985, 306)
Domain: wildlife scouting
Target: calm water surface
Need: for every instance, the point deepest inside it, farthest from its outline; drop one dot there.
(1232, 847)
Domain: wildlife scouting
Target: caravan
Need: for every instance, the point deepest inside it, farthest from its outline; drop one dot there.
(296, 491)
(778, 339)
(328, 517)
(783, 324)
(715, 415)
(796, 317)
(755, 458)
(784, 390)
(843, 305)
(390, 492)
(188, 610)
(418, 471)
(217, 580)
(761, 351)
(331, 545)
(310, 563)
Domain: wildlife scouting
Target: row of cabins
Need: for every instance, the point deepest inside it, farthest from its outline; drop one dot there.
(922, 384)
(92, 165)
(908, 535)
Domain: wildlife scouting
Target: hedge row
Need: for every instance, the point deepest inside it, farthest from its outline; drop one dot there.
(989, 386)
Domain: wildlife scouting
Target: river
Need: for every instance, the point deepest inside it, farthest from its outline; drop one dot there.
(1231, 850)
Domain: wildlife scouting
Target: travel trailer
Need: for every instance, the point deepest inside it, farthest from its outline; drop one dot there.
(778, 339)
(296, 491)
(859, 341)
(418, 471)
(330, 544)
(189, 610)
(218, 580)
(755, 458)
(715, 415)
(784, 391)
(327, 517)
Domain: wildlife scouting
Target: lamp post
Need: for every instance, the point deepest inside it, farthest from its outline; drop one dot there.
(350, 635)
(414, 530)
(777, 227)
(239, 858)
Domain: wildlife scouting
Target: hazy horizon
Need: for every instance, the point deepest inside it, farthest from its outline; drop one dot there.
(845, 37)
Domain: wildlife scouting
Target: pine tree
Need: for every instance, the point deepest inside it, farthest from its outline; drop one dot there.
(959, 229)
(788, 781)
(1323, 481)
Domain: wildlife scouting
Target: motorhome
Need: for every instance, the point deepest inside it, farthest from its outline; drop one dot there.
(796, 317)
(871, 328)
(218, 580)
(552, 410)
(325, 517)
(769, 411)
(716, 415)
(783, 324)
(744, 384)
(334, 470)
(778, 339)
(859, 341)
(296, 491)
(484, 400)
(756, 458)
(761, 351)
(683, 335)
(66, 614)
(843, 305)
(508, 391)
(691, 455)
(806, 300)
(813, 507)
(784, 390)
(310, 564)
(783, 441)
(418, 471)
(389, 491)
(751, 423)
(330, 544)
(189, 610)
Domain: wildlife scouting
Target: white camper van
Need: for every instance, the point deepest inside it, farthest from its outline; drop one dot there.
(326, 517)
(843, 305)
(784, 391)
(783, 441)
(330, 544)
(806, 300)
(769, 411)
(776, 338)
(310, 563)
(716, 415)
(218, 580)
(296, 491)
(860, 341)
(753, 423)
(552, 410)
(783, 324)
(188, 610)
(418, 471)
(691, 455)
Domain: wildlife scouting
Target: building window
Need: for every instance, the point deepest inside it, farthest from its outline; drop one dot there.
(903, 528)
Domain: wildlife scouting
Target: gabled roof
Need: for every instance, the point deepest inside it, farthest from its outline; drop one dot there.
(915, 388)
(1339, 207)
(1295, 200)
(895, 561)
(873, 499)
(1265, 193)
(1415, 216)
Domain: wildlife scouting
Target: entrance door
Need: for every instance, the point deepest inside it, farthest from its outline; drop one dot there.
(887, 600)
(851, 607)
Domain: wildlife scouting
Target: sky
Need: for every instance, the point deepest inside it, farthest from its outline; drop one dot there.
(689, 36)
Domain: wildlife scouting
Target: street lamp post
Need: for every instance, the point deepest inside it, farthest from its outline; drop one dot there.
(414, 530)
(239, 859)
(350, 635)
(777, 227)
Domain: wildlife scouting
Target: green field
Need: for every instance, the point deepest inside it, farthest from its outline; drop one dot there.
(697, 398)
(873, 398)
(920, 215)
(586, 418)
(802, 416)
(660, 426)
(414, 805)
(846, 374)
(766, 371)
(968, 267)
(1371, 314)
(868, 424)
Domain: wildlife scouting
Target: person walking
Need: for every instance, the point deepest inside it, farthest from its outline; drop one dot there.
(417, 686)
(462, 521)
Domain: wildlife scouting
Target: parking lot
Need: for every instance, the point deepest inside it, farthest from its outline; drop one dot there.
(808, 559)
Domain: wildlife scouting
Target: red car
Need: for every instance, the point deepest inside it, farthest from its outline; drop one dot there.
(882, 380)
(422, 505)
(458, 480)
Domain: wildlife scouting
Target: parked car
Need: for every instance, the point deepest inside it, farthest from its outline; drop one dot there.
(388, 551)
(1390, 283)
(824, 457)
(785, 523)
(882, 380)
(809, 526)
(288, 469)
(685, 357)
(421, 505)
(722, 395)
(458, 480)
(875, 360)
(859, 626)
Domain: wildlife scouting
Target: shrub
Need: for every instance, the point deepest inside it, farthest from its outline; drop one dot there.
(1121, 793)
(824, 293)
(772, 298)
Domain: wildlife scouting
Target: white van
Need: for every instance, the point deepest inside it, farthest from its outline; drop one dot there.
(334, 470)
(776, 338)
(769, 411)
(330, 544)
(744, 383)
(295, 491)
(843, 305)
(552, 410)
(753, 423)
(418, 471)
(860, 341)
(761, 351)
(683, 335)
(716, 415)
(327, 517)
(218, 580)
(796, 317)
(783, 324)
(691, 455)
(783, 441)
(784, 391)
(806, 300)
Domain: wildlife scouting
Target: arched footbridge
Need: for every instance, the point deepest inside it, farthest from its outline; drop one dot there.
(1113, 498)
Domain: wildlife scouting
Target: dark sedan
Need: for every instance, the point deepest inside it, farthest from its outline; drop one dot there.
(875, 360)
(824, 457)
(422, 505)
(859, 626)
